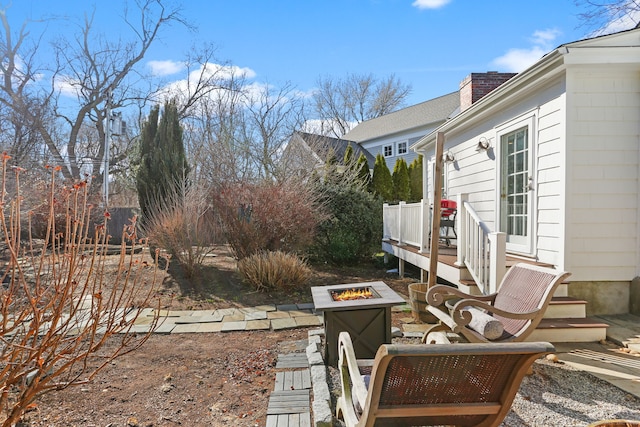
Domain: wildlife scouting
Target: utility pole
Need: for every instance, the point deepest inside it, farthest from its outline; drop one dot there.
(107, 137)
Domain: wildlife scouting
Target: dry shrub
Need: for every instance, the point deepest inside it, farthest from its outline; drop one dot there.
(268, 216)
(274, 270)
(183, 225)
(57, 306)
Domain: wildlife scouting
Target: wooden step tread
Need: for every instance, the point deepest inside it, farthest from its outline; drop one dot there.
(473, 282)
(566, 300)
(571, 323)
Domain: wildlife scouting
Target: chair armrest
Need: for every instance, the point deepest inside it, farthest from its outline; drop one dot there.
(351, 380)
(439, 294)
(460, 305)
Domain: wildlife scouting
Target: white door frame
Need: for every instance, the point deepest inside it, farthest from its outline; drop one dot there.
(516, 211)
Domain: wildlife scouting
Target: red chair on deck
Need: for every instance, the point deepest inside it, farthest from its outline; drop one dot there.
(448, 212)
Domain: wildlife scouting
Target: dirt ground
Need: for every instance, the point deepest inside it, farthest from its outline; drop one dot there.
(216, 379)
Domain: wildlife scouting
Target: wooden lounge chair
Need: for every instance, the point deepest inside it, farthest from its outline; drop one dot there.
(423, 385)
(510, 314)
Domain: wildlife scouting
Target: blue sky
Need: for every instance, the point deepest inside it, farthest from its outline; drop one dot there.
(430, 44)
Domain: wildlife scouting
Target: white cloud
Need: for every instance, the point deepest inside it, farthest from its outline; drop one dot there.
(165, 68)
(518, 59)
(430, 4)
(67, 86)
(217, 74)
(545, 38)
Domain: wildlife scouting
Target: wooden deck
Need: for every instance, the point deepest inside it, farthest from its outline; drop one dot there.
(566, 320)
(448, 255)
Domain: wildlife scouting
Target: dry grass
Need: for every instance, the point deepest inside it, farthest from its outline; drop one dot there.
(274, 270)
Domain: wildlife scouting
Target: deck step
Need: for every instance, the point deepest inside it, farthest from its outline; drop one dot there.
(570, 330)
(566, 307)
(559, 307)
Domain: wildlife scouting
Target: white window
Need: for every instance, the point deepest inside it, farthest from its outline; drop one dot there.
(402, 148)
(387, 150)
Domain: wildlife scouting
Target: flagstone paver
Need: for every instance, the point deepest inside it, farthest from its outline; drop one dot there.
(264, 317)
(175, 313)
(247, 309)
(143, 320)
(254, 325)
(256, 315)
(277, 324)
(147, 312)
(233, 326)
(287, 307)
(308, 321)
(210, 327)
(186, 328)
(227, 311)
(186, 319)
(278, 315)
(238, 317)
(299, 313)
(164, 327)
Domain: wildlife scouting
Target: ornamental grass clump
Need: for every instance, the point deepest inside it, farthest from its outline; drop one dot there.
(60, 298)
(274, 270)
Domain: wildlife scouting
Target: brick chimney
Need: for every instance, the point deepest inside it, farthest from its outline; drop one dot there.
(477, 85)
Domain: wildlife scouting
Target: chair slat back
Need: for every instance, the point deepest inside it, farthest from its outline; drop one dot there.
(525, 288)
(462, 389)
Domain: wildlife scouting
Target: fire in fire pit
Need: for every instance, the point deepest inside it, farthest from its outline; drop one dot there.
(353, 294)
(366, 315)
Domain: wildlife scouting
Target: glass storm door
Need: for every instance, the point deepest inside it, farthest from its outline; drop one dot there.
(515, 190)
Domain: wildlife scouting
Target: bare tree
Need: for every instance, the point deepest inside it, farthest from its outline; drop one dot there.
(236, 132)
(343, 103)
(215, 134)
(95, 70)
(274, 114)
(609, 16)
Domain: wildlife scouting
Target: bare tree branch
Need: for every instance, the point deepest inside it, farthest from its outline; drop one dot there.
(341, 104)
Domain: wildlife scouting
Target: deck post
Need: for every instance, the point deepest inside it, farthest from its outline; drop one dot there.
(461, 228)
(435, 217)
(400, 243)
(425, 220)
(497, 259)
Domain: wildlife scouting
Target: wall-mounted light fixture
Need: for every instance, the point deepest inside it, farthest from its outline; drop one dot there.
(483, 144)
(448, 157)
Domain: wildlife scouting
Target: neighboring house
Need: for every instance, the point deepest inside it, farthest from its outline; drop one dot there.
(306, 151)
(550, 161)
(392, 135)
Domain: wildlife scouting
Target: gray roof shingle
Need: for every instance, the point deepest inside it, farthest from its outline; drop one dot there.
(432, 111)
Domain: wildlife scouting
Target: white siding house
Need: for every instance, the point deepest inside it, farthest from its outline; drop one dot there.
(561, 174)
(393, 134)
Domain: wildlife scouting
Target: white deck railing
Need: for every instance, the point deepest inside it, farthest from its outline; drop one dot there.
(404, 222)
(480, 250)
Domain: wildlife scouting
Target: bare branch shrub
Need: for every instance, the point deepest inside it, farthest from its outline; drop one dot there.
(184, 225)
(60, 300)
(277, 270)
(268, 216)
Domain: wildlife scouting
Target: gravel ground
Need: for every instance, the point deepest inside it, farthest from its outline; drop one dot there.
(559, 395)
(555, 394)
